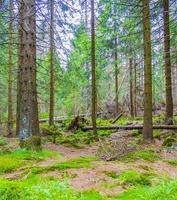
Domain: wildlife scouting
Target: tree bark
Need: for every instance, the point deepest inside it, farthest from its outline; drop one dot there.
(131, 87)
(28, 108)
(169, 98)
(116, 79)
(128, 127)
(147, 124)
(93, 64)
(135, 88)
(10, 68)
(52, 101)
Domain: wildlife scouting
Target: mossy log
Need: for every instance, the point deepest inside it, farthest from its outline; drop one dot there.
(128, 127)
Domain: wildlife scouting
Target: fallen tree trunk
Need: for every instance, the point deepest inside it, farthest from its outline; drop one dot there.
(117, 118)
(128, 127)
(61, 119)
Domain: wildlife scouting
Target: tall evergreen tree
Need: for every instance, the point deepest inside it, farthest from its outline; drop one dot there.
(147, 125)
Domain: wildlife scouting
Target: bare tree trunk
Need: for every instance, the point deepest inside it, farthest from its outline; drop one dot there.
(93, 63)
(20, 46)
(135, 89)
(147, 125)
(169, 98)
(10, 66)
(52, 101)
(131, 87)
(116, 78)
(28, 118)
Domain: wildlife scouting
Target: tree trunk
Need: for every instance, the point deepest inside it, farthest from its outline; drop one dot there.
(10, 68)
(28, 108)
(93, 63)
(147, 125)
(116, 79)
(52, 101)
(131, 87)
(169, 98)
(135, 88)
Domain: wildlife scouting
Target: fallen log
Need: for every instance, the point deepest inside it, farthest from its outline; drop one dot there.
(117, 118)
(128, 127)
(61, 119)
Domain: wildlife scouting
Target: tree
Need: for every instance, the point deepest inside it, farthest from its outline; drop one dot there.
(93, 64)
(10, 68)
(51, 112)
(147, 124)
(28, 108)
(131, 87)
(169, 98)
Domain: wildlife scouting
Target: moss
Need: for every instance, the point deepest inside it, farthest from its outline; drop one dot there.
(163, 191)
(157, 134)
(3, 141)
(8, 164)
(33, 143)
(136, 133)
(42, 188)
(147, 155)
(112, 174)
(72, 164)
(171, 162)
(133, 178)
(169, 141)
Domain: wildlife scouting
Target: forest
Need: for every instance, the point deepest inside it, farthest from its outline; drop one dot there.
(88, 100)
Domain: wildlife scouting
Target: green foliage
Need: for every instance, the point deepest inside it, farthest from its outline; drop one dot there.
(163, 191)
(37, 188)
(24, 154)
(77, 139)
(71, 164)
(8, 164)
(134, 178)
(113, 175)
(169, 141)
(17, 158)
(147, 155)
(3, 141)
(171, 162)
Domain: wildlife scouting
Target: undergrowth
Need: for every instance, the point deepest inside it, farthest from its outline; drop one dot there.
(76, 163)
(37, 188)
(166, 190)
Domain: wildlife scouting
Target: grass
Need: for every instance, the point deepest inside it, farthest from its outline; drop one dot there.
(3, 141)
(134, 178)
(166, 190)
(37, 188)
(76, 163)
(147, 155)
(171, 162)
(19, 158)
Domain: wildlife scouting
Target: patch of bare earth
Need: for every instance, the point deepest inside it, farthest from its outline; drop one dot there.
(71, 152)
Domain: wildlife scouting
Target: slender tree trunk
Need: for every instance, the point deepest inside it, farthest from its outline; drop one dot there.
(52, 101)
(10, 66)
(135, 88)
(28, 108)
(131, 87)
(169, 98)
(147, 125)
(116, 78)
(20, 46)
(93, 63)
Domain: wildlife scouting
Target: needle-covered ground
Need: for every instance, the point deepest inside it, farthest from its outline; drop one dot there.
(65, 172)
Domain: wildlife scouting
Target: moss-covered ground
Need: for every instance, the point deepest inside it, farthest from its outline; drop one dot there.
(71, 170)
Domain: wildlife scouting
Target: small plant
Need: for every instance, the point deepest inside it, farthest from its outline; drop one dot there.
(72, 164)
(148, 155)
(171, 162)
(113, 175)
(3, 141)
(133, 178)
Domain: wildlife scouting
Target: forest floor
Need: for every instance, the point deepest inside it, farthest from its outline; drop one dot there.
(75, 172)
